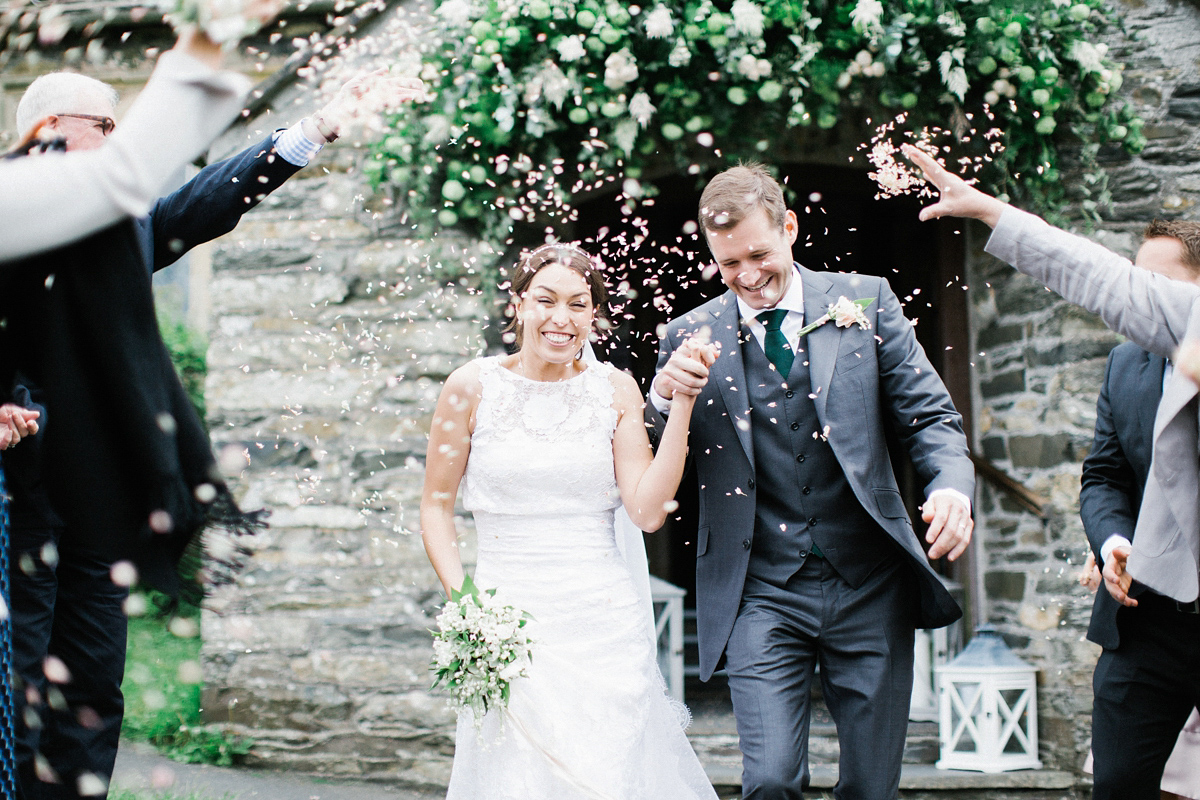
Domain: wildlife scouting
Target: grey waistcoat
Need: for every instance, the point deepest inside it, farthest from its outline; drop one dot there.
(802, 495)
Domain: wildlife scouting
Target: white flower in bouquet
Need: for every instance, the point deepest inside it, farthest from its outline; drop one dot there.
(748, 18)
(1187, 359)
(659, 24)
(479, 649)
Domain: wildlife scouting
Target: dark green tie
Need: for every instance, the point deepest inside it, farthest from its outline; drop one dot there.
(779, 352)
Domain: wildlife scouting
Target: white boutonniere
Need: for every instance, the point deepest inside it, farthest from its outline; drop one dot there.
(845, 312)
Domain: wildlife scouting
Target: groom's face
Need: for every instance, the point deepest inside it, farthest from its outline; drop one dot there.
(755, 257)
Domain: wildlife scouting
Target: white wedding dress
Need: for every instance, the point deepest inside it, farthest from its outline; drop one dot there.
(592, 719)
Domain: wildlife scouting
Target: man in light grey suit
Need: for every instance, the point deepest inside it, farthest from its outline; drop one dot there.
(805, 552)
(1155, 672)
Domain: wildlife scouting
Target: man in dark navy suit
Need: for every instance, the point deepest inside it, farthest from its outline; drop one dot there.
(1139, 706)
(69, 631)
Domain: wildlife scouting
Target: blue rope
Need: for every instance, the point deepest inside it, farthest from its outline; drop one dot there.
(8, 778)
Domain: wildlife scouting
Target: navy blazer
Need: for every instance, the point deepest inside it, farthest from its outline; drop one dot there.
(207, 206)
(1115, 472)
(865, 381)
(212, 203)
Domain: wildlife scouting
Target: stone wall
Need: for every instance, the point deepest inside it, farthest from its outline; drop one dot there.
(1038, 367)
(330, 340)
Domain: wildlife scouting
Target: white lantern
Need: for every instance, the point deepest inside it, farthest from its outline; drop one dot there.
(988, 708)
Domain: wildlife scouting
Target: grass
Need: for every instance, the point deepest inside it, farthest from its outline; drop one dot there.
(162, 688)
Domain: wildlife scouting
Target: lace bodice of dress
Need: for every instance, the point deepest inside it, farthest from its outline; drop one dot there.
(542, 448)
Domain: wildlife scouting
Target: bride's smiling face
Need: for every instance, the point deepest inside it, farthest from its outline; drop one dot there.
(556, 314)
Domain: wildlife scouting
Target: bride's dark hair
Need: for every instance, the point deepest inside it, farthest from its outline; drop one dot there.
(571, 256)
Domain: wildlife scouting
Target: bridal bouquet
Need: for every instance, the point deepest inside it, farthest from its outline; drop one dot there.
(479, 648)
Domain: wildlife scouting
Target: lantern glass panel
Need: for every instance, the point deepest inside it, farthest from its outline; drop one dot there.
(963, 716)
(1018, 740)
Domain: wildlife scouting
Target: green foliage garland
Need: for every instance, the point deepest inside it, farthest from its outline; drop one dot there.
(541, 100)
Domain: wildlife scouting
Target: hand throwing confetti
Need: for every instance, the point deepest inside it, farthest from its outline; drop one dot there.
(895, 176)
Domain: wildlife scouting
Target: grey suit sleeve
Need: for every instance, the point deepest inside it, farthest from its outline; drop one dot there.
(1148, 308)
(922, 413)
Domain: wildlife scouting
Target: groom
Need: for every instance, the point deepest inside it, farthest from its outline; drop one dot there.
(805, 553)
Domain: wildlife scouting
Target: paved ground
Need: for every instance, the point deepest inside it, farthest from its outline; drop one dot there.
(138, 767)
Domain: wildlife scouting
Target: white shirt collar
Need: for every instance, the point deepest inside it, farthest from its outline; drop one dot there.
(792, 300)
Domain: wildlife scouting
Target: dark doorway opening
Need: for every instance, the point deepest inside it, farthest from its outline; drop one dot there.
(842, 228)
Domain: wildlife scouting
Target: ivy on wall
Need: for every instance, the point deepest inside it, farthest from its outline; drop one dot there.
(539, 101)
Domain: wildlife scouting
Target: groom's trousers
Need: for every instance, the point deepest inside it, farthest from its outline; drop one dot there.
(863, 640)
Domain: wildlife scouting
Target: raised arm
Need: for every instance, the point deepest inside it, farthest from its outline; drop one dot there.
(52, 200)
(1148, 308)
(648, 481)
(445, 463)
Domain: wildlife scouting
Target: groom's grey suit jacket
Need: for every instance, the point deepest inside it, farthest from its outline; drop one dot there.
(863, 381)
(1156, 314)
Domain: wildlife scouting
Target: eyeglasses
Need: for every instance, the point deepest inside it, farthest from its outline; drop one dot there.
(106, 123)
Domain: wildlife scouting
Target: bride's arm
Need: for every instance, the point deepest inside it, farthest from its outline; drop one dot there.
(445, 463)
(647, 481)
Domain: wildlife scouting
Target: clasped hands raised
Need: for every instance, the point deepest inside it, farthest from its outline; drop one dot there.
(686, 371)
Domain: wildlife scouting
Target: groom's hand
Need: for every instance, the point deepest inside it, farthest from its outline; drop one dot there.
(686, 371)
(950, 526)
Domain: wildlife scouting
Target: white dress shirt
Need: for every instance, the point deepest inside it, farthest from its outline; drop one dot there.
(294, 146)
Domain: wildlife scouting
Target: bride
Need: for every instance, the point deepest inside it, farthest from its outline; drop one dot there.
(548, 445)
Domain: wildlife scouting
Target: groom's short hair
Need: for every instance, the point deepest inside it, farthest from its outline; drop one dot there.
(734, 194)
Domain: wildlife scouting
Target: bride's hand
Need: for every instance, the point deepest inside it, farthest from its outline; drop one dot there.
(699, 349)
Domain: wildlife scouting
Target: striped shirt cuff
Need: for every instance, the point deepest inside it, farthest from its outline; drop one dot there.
(294, 147)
